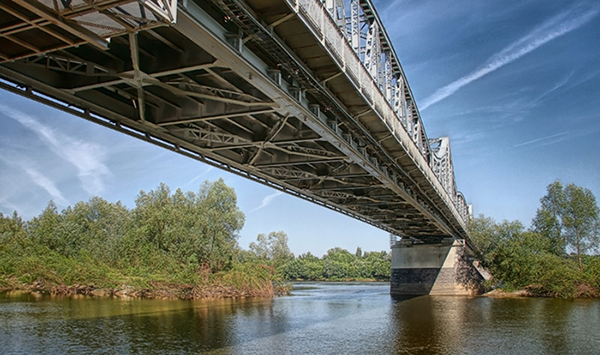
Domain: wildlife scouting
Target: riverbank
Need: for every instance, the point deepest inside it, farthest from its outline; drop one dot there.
(582, 291)
(500, 293)
(155, 290)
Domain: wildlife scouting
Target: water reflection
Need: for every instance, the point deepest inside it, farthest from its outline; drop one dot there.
(428, 325)
(317, 319)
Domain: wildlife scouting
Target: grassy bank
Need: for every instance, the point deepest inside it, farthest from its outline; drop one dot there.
(42, 270)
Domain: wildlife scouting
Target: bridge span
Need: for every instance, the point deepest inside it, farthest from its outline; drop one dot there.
(305, 96)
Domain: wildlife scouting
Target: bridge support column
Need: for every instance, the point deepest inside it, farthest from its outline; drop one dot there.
(433, 269)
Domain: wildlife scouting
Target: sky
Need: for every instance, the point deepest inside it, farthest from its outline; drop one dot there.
(514, 84)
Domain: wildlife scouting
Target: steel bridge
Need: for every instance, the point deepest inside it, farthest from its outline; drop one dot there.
(305, 96)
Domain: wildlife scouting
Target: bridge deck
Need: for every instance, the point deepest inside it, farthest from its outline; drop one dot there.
(268, 89)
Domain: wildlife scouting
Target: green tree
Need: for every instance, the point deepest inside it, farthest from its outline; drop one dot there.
(489, 237)
(311, 266)
(547, 220)
(273, 247)
(44, 228)
(568, 217)
(260, 248)
(280, 252)
(94, 226)
(339, 263)
(223, 220)
(192, 228)
(380, 264)
(580, 219)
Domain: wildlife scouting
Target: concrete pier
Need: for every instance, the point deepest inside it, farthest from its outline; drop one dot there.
(433, 269)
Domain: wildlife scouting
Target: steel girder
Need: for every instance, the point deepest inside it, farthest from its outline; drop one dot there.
(224, 106)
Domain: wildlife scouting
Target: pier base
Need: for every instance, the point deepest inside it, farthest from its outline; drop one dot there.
(433, 269)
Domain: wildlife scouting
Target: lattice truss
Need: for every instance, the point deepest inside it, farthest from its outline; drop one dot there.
(441, 163)
(370, 42)
(40, 26)
(361, 27)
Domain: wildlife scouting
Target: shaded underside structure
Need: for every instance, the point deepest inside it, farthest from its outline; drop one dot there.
(304, 96)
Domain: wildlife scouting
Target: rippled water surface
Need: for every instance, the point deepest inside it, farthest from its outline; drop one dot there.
(318, 318)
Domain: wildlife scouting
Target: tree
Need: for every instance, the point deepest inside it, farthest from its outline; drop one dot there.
(489, 237)
(279, 250)
(223, 221)
(273, 247)
(94, 226)
(260, 248)
(568, 217)
(547, 220)
(44, 228)
(193, 228)
(580, 220)
(12, 232)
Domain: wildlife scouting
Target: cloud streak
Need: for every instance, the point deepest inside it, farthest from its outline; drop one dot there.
(555, 27)
(540, 139)
(46, 184)
(210, 168)
(87, 158)
(267, 200)
(38, 178)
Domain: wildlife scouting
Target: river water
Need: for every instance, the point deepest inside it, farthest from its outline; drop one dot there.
(318, 318)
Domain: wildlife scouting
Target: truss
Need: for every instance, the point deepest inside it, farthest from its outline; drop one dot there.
(334, 123)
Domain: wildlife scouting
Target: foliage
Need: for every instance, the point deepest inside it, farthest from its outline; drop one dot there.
(192, 228)
(272, 248)
(339, 264)
(537, 260)
(520, 259)
(167, 239)
(547, 219)
(568, 217)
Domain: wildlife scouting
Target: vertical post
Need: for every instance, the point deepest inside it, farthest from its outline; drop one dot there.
(388, 76)
(355, 26)
(135, 63)
(373, 53)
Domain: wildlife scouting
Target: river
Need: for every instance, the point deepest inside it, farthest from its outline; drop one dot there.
(318, 318)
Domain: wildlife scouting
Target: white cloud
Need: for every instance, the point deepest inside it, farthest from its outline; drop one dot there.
(37, 178)
(557, 26)
(7, 205)
(87, 158)
(267, 200)
(542, 139)
(45, 183)
(210, 168)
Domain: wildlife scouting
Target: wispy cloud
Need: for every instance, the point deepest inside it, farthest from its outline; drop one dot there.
(7, 205)
(200, 175)
(37, 178)
(267, 200)
(537, 140)
(557, 26)
(87, 158)
(46, 184)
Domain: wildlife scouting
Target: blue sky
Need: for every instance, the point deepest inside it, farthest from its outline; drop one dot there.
(515, 84)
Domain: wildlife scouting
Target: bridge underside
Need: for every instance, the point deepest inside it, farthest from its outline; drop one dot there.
(268, 103)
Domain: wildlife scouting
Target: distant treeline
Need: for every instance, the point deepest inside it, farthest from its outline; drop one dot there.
(170, 244)
(337, 265)
(555, 257)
